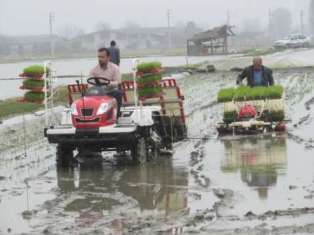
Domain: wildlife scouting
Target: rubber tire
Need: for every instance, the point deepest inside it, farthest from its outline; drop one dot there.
(64, 156)
(154, 152)
(139, 152)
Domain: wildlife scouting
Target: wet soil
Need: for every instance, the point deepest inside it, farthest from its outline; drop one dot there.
(246, 185)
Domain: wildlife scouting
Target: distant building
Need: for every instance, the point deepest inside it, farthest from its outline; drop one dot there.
(135, 38)
(28, 45)
(210, 41)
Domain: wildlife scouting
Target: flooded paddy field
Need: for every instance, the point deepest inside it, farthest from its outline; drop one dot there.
(245, 185)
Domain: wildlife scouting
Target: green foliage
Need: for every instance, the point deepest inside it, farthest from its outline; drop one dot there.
(147, 67)
(11, 107)
(34, 71)
(243, 93)
(14, 107)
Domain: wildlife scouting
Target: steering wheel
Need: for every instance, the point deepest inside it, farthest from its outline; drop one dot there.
(98, 81)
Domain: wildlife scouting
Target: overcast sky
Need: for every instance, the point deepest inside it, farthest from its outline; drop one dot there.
(18, 17)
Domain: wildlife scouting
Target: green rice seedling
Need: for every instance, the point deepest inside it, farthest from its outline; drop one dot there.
(150, 91)
(277, 116)
(33, 83)
(257, 93)
(250, 93)
(34, 96)
(147, 67)
(148, 79)
(275, 92)
(230, 116)
(241, 93)
(34, 71)
(226, 95)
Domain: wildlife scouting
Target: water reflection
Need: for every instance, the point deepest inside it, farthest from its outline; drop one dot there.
(99, 190)
(259, 161)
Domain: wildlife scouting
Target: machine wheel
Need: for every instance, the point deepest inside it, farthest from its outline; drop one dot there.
(139, 151)
(64, 156)
(154, 150)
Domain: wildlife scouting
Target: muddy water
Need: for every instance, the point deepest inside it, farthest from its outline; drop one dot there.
(216, 185)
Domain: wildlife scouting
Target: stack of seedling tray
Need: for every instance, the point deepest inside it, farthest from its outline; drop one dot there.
(148, 80)
(267, 100)
(34, 83)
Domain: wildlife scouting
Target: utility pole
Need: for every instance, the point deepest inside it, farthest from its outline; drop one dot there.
(270, 27)
(52, 42)
(228, 17)
(169, 29)
(302, 21)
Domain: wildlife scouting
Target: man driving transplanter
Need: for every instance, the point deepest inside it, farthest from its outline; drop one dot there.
(257, 74)
(109, 70)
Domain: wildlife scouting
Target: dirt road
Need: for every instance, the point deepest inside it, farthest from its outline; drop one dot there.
(256, 185)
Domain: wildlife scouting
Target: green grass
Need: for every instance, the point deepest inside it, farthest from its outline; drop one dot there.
(243, 93)
(13, 107)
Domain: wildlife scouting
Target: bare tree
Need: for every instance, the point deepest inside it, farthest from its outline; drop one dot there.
(102, 26)
(129, 25)
(252, 26)
(70, 31)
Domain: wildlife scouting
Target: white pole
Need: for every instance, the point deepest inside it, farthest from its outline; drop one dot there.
(51, 19)
(45, 92)
(135, 63)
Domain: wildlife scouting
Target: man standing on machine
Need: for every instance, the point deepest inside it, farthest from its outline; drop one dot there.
(111, 71)
(257, 74)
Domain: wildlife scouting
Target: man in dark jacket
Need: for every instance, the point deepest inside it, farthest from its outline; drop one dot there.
(257, 74)
(114, 53)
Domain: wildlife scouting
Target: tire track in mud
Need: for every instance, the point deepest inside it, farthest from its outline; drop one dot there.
(203, 113)
(299, 91)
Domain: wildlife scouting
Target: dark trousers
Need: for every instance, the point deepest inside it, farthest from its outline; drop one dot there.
(117, 94)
